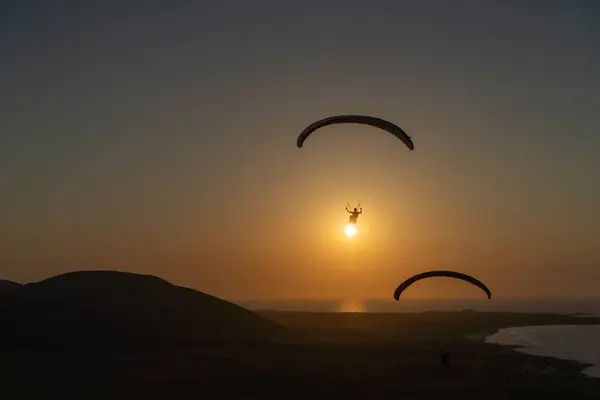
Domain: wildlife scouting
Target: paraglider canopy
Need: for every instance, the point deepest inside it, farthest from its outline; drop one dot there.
(448, 274)
(356, 119)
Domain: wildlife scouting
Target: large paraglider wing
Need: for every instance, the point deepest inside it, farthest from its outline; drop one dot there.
(356, 119)
(449, 274)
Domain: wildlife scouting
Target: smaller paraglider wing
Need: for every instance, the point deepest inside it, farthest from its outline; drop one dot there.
(448, 274)
(356, 119)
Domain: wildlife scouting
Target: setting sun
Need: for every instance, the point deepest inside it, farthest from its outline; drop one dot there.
(350, 230)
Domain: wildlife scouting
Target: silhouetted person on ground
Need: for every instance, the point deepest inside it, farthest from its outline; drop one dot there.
(354, 214)
(444, 357)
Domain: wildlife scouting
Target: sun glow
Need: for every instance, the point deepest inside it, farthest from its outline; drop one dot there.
(353, 306)
(350, 230)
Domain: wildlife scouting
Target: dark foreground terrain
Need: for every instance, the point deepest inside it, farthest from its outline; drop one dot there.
(319, 355)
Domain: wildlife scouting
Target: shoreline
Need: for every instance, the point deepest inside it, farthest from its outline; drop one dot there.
(478, 337)
(531, 350)
(563, 366)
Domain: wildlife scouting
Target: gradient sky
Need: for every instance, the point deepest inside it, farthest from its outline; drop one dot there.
(159, 137)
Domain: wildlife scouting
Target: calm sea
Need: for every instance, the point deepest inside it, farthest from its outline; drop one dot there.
(562, 306)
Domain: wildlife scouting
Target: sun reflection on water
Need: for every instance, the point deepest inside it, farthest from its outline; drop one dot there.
(352, 306)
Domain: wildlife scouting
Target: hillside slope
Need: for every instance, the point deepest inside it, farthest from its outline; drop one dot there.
(112, 307)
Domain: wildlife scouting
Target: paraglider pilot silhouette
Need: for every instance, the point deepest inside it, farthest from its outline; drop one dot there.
(354, 214)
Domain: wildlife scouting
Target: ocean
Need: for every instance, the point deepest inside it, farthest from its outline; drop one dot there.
(560, 306)
(579, 343)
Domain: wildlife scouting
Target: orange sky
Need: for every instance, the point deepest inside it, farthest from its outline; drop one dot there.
(163, 142)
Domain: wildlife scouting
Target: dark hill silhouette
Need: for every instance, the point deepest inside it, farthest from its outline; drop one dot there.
(97, 307)
(4, 284)
(7, 290)
(8, 287)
